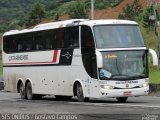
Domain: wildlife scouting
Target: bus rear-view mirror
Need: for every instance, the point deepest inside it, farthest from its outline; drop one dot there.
(154, 57)
(99, 59)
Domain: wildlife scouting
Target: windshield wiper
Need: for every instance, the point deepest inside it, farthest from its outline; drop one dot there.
(120, 76)
(139, 76)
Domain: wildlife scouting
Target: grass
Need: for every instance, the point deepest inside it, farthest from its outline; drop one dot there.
(154, 76)
(1, 68)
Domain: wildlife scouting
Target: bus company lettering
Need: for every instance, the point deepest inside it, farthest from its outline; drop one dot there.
(18, 57)
(125, 82)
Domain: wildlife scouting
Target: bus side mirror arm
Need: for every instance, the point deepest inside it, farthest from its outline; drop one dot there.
(154, 57)
(99, 59)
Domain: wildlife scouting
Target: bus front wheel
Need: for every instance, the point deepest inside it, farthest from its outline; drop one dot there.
(122, 99)
(22, 91)
(80, 95)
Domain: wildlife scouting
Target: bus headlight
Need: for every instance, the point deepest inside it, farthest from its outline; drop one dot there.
(144, 85)
(106, 86)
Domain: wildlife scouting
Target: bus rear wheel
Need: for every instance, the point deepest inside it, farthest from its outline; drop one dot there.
(30, 95)
(122, 99)
(22, 91)
(79, 92)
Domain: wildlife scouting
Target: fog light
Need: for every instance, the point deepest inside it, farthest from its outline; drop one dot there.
(106, 87)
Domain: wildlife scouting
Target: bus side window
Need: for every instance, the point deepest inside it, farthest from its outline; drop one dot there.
(60, 38)
(39, 36)
(48, 43)
(6, 44)
(29, 41)
(87, 37)
(19, 47)
(9, 44)
(69, 40)
(14, 46)
(48, 39)
(75, 36)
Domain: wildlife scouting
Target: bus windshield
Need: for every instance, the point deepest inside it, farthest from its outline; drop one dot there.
(118, 36)
(124, 65)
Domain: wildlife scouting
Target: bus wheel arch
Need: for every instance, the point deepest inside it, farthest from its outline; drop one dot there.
(18, 85)
(78, 91)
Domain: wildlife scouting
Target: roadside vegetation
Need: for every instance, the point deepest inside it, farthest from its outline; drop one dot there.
(154, 76)
(1, 68)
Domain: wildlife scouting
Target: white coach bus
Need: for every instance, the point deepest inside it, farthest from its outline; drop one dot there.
(83, 58)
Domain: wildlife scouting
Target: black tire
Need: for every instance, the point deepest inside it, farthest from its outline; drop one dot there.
(79, 92)
(122, 99)
(22, 91)
(30, 95)
(65, 98)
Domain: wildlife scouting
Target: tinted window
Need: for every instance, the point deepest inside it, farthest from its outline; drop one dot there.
(72, 37)
(18, 43)
(87, 37)
(67, 37)
(42, 40)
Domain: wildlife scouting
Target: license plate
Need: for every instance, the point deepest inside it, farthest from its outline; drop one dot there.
(127, 93)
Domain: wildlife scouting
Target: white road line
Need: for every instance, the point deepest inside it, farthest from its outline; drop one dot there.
(111, 104)
(9, 99)
(131, 105)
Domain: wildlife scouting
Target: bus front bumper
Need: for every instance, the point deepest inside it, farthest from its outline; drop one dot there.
(124, 92)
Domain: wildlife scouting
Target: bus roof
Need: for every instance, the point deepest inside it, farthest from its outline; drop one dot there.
(107, 22)
(66, 23)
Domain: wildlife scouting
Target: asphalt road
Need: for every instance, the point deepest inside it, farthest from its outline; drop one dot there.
(136, 108)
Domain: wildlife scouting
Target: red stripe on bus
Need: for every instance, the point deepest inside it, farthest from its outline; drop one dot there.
(29, 63)
(55, 55)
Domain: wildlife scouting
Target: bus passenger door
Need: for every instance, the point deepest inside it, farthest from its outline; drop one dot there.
(89, 58)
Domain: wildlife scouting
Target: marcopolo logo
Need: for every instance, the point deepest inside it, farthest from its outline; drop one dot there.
(67, 55)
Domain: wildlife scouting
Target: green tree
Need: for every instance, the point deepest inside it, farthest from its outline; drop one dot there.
(148, 12)
(78, 10)
(131, 11)
(36, 14)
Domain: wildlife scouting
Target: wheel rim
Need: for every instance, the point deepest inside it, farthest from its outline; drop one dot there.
(22, 92)
(80, 93)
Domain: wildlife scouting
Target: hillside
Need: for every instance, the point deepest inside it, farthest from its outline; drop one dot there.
(13, 9)
(10, 9)
(113, 12)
